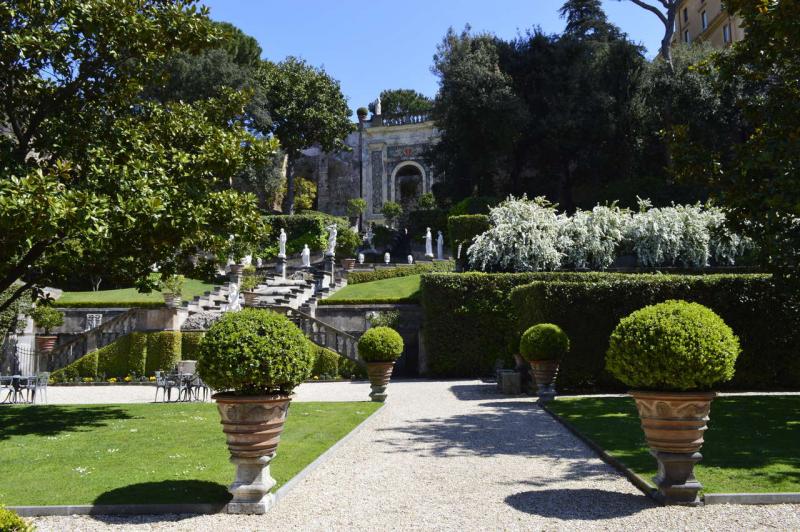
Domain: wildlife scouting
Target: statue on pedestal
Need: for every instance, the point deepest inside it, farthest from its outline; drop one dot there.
(411, 259)
(428, 243)
(282, 244)
(440, 246)
(306, 257)
(361, 258)
(378, 106)
(332, 232)
(387, 258)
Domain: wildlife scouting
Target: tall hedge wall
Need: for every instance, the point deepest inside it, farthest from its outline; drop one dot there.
(764, 318)
(163, 351)
(463, 230)
(469, 323)
(308, 228)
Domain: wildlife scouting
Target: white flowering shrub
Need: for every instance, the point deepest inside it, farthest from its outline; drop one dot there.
(529, 235)
(592, 238)
(525, 236)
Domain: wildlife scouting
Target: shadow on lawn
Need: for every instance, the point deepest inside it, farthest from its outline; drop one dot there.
(582, 504)
(53, 420)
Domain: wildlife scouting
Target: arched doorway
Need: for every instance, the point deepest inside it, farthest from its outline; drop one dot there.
(409, 184)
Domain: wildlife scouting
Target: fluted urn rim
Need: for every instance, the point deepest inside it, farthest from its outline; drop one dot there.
(231, 397)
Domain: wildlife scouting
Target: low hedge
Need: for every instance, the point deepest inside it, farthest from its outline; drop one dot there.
(326, 363)
(462, 230)
(400, 271)
(110, 304)
(112, 360)
(371, 301)
(765, 319)
(469, 324)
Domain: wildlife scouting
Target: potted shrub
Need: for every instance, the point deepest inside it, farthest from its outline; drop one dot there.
(249, 283)
(672, 354)
(46, 318)
(362, 113)
(172, 290)
(543, 346)
(379, 347)
(253, 359)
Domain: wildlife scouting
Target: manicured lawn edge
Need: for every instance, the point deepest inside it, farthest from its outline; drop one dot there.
(203, 508)
(641, 484)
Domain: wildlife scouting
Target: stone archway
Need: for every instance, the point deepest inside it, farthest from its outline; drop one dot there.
(408, 184)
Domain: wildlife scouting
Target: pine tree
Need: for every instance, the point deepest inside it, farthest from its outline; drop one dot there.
(587, 20)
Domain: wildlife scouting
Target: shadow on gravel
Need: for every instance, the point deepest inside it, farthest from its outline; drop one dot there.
(475, 392)
(578, 504)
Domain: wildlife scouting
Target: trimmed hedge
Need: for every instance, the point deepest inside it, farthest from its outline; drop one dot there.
(326, 362)
(190, 343)
(111, 304)
(469, 323)
(418, 221)
(765, 319)
(163, 351)
(400, 271)
(380, 344)
(371, 301)
(112, 360)
(462, 230)
(137, 356)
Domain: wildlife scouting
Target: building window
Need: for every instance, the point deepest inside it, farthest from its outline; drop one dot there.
(686, 36)
(704, 19)
(685, 15)
(726, 33)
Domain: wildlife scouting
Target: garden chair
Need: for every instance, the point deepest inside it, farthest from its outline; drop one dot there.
(165, 383)
(199, 388)
(6, 390)
(38, 388)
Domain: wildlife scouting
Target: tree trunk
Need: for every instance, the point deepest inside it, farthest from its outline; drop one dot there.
(289, 185)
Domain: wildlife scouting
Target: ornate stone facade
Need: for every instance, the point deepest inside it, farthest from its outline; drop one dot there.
(385, 162)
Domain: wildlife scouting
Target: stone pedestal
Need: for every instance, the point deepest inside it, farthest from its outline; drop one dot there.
(379, 375)
(675, 479)
(330, 266)
(280, 267)
(251, 488)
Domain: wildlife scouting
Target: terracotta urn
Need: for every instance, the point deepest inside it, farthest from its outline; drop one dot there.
(379, 375)
(674, 424)
(250, 299)
(237, 269)
(348, 264)
(45, 343)
(172, 300)
(252, 427)
(544, 375)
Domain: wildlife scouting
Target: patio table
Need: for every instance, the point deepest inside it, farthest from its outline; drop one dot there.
(20, 384)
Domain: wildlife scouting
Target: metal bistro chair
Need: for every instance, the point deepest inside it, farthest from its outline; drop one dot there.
(165, 383)
(199, 388)
(37, 387)
(186, 370)
(6, 389)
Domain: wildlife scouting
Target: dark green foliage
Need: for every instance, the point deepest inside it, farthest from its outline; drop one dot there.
(474, 205)
(137, 356)
(380, 344)
(85, 366)
(163, 351)
(308, 228)
(760, 314)
(383, 236)
(543, 341)
(190, 344)
(400, 271)
(11, 522)
(350, 370)
(463, 229)
(10, 316)
(326, 363)
(112, 360)
(470, 324)
(672, 346)
(402, 101)
(419, 220)
(254, 352)
(47, 318)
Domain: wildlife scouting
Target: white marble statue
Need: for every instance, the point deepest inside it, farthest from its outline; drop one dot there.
(440, 246)
(387, 258)
(411, 259)
(428, 243)
(332, 232)
(378, 106)
(369, 236)
(361, 258)
(306, 256)
(282, 244)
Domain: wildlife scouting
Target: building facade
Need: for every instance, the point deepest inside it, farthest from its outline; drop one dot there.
(706, 21)
(384, 162)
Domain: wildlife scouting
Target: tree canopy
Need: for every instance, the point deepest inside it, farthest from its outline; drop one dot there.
(95, 174)
(403, 101)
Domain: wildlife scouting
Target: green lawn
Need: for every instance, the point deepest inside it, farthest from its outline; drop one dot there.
(128, 296)
(752, 443)
(395, 290)
(146, 453)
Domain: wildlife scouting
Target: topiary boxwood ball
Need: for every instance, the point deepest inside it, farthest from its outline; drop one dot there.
(380, 344)
(672, 346)
(544, 341)
(254, 352)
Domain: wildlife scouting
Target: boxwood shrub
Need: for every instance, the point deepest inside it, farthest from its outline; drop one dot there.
(380, 344)
(672, 346)
(12, 522)
(766, 319)
(112, 360)
(137, 356)
(326, 363)
(400, 271)
(543, 341)
(190, 344)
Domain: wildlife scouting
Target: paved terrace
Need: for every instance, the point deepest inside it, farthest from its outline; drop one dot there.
(447, 456)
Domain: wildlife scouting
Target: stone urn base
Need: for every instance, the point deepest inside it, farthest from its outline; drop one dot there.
(674, 424)
(379, 374)
(45, 343)
(544, 375)
(252, 427)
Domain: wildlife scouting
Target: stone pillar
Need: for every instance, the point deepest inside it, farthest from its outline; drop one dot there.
(675, 479)
(330, 267)
(251, 488)
(280, 267)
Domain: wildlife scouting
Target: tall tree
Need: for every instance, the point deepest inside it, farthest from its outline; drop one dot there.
(586, 19)
(403, 101)
(666, 13)
(93, 172)
(307, 108)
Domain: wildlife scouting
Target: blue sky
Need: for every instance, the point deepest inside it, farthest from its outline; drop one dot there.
(374, 45)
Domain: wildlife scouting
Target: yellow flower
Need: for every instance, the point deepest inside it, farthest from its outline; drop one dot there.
(128, 378)
(153, 379)
(112, 379)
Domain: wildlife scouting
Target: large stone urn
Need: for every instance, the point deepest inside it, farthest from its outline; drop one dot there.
(45, 343)
(252, 427)
(348, 264)
(674, 424)
(379, 375)
(172, 300)
(544, 375)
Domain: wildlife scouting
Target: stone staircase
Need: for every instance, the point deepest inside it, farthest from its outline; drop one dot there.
(299, 293)
(216, 300)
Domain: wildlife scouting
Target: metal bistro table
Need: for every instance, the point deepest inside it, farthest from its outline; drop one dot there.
(15, 389)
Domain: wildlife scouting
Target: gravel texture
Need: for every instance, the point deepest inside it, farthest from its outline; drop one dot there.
(456, 456)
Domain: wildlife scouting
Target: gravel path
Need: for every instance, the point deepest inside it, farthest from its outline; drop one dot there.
(455, 456)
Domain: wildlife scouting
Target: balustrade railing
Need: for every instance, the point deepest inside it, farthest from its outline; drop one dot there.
(409, 118)
(91, 340)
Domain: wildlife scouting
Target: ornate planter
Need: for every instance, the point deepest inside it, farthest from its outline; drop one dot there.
(348, 264)
(250, 299)
(544, 375)
(236, 269)
(252, 427)
(172, 300)
(45, 343)
(379, 374)
(674, 424)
